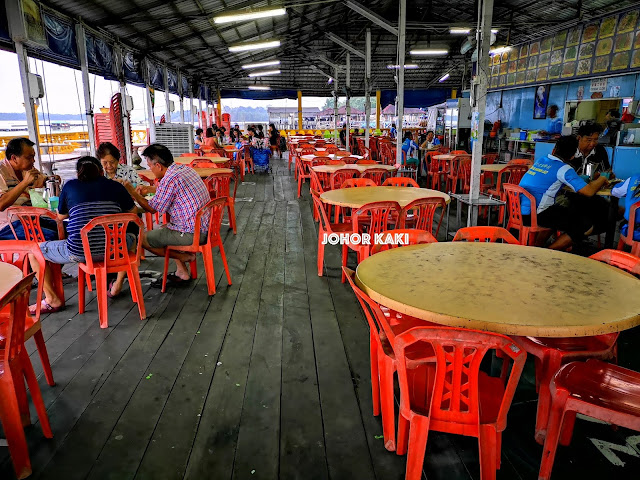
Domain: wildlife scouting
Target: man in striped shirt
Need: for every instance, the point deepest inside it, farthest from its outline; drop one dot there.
(181, 193)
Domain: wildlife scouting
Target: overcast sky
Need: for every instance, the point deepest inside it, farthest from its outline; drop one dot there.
(65, 91)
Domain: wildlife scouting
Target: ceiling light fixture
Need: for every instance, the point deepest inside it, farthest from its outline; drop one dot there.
(459, 31)
(259, 87)
(268, 63)
(245, 47)
(407, 66)
(444, 78)
(499, 50)
(429, 51)
(264, 73)
(249, 15)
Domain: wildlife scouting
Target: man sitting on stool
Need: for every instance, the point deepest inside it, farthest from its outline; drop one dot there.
(545, 179)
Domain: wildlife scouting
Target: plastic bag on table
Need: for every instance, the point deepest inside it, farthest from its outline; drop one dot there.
(37, 200)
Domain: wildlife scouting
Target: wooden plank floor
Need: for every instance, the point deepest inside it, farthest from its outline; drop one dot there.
(267, 379)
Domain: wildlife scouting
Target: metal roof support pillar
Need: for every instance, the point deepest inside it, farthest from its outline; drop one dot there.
(300, 124)
(219, 108)
(191, 109)
(200, 107)
(479, 101)
(347, 108)
(150, 117)
(23, 64)
(377, 109)
(402, 33)
(126, 124)
(86, 86)
(167, 102)
(335, 107)
(367, 87)
(181, 97)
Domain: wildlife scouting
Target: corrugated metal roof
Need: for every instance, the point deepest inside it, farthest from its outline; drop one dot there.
(183, 34)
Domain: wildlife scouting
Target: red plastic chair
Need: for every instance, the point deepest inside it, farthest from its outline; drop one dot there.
(520, 161)
(384, 325)
(117, 258)
(315, 161)
(593, 388)
(319, 180)
(485, 234)
(358, 182)
(420, 214)
(335, 162)
(302, 174)
(248, 161)
(189, 154)
(400, 182)
(14, 365)
(30, 219)
(326, 228)
(16, 252)
(628, 238)
(371, 218)
(527, 234)
(454, 396)
(364, 152)
(219, 185)
(349, 160)
(378, 175)
(214, 209)
(455, 172)
(409, 236)
(208, 164)
(364, 161)
(459, 152)
(621, 260)
(337, 178)
(438, 172)
(509, 174)
(331, 149)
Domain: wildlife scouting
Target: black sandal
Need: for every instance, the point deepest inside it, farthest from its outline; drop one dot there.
(172, 280)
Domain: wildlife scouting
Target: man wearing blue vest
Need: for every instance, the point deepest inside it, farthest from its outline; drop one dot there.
(630, 189)
(544, 181)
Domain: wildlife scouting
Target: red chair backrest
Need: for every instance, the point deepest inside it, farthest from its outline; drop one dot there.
(113, 229)
(190, 155)
(349, 160)
(459, 152)
(308, 150)
(619, 259)
(375, 217)
(452, 396)
(400, 182)
(489, 158)
(364, 151)
(338, 177)
(319, 180)
(325, 223)
(365, 161)
(408, 236)
(215, 209)
(511, 174)
(319, 144)
(318, 161)
(208, 164)
(16, 252)
(335, 162)
(18, 298)
(514, 193)
(423, 210)
(219, 184)
(378, 175)
(30, 219)
(485, 234)
(331, 148)
(358, 182)
(520, 161)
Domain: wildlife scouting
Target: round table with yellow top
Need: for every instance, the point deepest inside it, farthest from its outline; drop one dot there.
(508, 289)
(208, 158)
(203, 172)
(9, 276)
(357, 197)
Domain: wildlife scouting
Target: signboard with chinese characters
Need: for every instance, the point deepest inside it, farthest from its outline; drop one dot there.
(593, 49)
(598, 85)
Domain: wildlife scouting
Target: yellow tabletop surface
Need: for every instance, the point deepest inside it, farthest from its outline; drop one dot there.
(349, 197)
(203, 172)
(448, 157)
(508, 289)
(361, 168)
(9, 276)
(494, 167)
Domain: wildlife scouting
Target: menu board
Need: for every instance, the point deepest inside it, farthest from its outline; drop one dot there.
(593, 49)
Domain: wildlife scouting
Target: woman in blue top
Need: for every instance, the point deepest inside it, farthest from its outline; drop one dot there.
(410, 148)
(81, 200)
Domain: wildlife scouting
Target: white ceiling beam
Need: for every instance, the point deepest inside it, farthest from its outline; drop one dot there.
(369, 14)
(346, 45)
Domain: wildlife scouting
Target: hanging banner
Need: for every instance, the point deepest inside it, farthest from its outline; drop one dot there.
(61, 38)
(172, 80)
(100, 56)
(132, 69)
(156, 75)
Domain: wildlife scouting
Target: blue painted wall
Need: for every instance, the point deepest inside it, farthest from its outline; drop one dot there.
(517, 104)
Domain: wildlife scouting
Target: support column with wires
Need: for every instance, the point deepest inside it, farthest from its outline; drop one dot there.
(402, 33)
(181, 93)
(126, 122)
(335, 106)
(167, 101)
(29, 105)
(347, 108)
(367, 87)
(86, 88)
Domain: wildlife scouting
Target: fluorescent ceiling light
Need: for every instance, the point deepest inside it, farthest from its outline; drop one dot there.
(259, 87)
(268, 63)
(498, 50)
(249, 15)
(459, 31)
(444, 78)
(429, 51)
(244, 47)
(264, 73)
(407, 66)
(494, 30)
